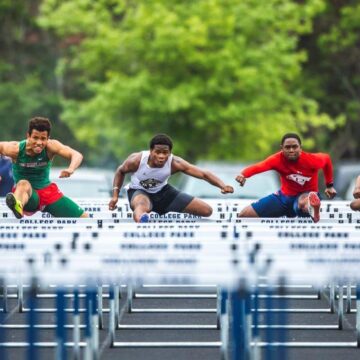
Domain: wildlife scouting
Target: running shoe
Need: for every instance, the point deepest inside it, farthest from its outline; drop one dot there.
(14, 205)
(144, 218)
(314, 206)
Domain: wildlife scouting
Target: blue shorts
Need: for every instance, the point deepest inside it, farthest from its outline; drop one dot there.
(278, 204)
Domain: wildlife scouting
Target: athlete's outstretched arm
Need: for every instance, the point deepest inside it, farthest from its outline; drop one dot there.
(328, 174)
(10, 149)
(130, 165)
(55, 147)
(179, 164)
(257, 168)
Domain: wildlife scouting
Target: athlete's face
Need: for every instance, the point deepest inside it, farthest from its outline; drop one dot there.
(37, 141)
(159, 155)
(291, 149)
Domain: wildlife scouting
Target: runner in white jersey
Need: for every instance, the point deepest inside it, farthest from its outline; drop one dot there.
(152, 179)
(148, 189)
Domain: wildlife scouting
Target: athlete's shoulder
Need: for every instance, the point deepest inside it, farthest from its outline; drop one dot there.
(135, 156)
(276, 157)
(318, 160)
(55, 147)
(177, 160)
(53, 144)
(320, 156)
(11, 143)
(179, 164)
(132, 162)
(16, 144)
(10, 148)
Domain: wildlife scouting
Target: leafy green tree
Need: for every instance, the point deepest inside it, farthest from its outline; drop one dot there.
(28, 85)
(332, 74)
(222, 77)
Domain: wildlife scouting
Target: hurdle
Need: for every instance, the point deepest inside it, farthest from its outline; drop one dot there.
(233, 247)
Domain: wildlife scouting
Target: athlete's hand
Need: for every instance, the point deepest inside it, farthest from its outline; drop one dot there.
(331, 192)
(241, 179)
(112, 203)
(227, 189)
(66, 173)
(356, 193)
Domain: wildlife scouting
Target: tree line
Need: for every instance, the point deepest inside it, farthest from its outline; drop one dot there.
(224, 78)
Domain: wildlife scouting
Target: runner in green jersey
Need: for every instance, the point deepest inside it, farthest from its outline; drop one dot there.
(32, 160)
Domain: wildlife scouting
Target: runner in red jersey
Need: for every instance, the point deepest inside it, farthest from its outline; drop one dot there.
(298, 195)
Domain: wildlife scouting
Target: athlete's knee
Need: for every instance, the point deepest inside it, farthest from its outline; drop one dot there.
(303, 202)
(242, 213)
(23, 184)
(140, 208)
(355, 205)
(248, 211)
(142, 203)
(207, 211)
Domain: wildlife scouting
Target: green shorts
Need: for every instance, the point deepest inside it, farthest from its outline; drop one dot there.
(64, 207)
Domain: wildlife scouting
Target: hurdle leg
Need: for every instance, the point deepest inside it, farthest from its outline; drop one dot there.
(341, 307)
(20, 296)
(112, 316)
(76, 330)
(238, 316)
(2, 329)
(348, 297)
(32, 353)
(88, 324)
(248, 325)
(5, 297)
(94, 326)
(218, 306)
(60, 325)
(100, 307)
(332, 297)
(319, 293)
(117, 305)
(224, 323)
(129, 299)
(256, 333)
(269, 320)
(358, 315)
(282, 319)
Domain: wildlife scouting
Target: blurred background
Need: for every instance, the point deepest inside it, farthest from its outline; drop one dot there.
(224, 78)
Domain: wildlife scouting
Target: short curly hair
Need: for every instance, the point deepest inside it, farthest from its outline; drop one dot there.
(161, 139)
(290, 136)
(40, 124)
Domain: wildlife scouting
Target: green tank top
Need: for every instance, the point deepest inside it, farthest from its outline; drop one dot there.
(35, 169)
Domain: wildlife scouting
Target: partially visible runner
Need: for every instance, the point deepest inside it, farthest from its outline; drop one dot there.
(6, 177)
(299, 194)
(355, 204)
(149, 191)
(32, 160)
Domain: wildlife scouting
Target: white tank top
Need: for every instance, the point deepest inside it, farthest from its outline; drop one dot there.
(150, 179)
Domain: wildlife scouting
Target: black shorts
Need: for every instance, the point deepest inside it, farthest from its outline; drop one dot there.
(166, 200)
